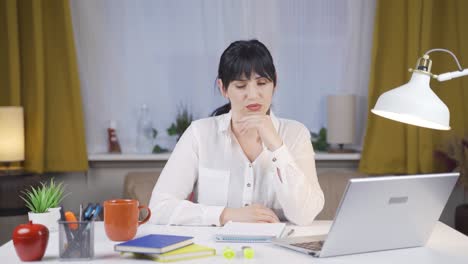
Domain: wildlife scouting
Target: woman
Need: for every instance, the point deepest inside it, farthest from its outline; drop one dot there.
(244, 164)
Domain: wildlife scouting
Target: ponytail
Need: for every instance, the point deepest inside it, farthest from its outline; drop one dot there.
(222, 110)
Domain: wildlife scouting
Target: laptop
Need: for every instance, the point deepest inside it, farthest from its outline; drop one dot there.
(381, 213)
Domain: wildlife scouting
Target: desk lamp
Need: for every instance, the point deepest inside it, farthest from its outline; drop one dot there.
(341, 121)
(11, 136)
(415, 103)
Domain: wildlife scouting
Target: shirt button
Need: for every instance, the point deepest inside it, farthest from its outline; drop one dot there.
(274, 159)
(250, 165)
(248, 185)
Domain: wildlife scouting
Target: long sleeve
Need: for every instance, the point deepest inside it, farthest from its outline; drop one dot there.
(296, 184)
(168, 204)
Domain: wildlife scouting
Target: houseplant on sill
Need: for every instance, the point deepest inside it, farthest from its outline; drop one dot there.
(319, 140)
(454, 157)
(157, 148)
(183, 121)
(43, 201)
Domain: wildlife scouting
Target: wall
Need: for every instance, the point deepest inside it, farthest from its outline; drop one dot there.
(139, 52)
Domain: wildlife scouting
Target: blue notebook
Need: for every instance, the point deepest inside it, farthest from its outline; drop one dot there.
(156, 244)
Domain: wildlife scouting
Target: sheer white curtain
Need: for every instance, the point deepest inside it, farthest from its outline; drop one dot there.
(166, 53)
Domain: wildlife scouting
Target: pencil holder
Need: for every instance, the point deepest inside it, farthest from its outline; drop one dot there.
(76, 240)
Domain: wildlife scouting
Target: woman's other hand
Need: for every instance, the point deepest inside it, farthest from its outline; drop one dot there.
(255, 213)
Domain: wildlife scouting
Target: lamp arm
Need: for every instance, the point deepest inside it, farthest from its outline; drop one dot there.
(449, 52)
(451, 75)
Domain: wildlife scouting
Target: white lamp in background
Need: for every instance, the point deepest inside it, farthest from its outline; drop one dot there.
(11, 135)
(415, 103)
(341, 121)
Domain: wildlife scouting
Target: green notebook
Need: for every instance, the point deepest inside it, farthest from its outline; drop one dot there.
(192, 251)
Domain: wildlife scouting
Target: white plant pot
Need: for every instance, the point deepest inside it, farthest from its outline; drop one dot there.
(49, 219)
(57, 216)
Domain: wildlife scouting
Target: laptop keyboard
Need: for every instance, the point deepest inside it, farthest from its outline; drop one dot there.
(314, 245)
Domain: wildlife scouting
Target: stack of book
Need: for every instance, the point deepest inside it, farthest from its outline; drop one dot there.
(165, 248)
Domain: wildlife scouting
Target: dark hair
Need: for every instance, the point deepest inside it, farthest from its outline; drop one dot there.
(242, 58)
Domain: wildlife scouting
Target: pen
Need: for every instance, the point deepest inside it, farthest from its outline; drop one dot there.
(88, 211)
(81, 212)
(96, 212)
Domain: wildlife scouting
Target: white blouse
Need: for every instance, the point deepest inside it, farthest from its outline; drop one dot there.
(209, 160)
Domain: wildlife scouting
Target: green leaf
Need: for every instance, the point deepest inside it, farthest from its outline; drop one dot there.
(319, 140)
(39, 199)
(182, 122)
(172, 130)
(323, 133)
(159, 149)
(28, 204)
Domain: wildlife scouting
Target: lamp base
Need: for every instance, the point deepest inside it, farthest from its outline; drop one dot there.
(338, 150)
(341, 149)
(11, 170)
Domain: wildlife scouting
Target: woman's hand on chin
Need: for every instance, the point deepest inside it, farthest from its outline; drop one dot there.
(265, 129)
(255, 213)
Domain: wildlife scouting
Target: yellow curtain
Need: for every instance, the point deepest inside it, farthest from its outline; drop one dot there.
(38, 70)
(403, 31)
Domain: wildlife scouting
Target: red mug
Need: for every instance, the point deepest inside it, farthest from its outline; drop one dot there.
(121, 218)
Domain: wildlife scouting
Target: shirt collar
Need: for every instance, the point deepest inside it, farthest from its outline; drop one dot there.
(225, 121)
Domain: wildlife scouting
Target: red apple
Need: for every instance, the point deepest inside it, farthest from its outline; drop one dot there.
(30, 241)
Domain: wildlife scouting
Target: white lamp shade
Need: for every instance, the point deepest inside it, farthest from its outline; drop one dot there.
(11, 134)
(414, 103)
(341, 119)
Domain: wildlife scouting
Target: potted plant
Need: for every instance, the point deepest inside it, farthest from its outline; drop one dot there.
(183, 120)
(454, 157)
(319, 140)
(43, 203)
(157, 148)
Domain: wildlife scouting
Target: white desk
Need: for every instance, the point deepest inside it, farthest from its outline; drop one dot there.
(445, 246)
(101, 157)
